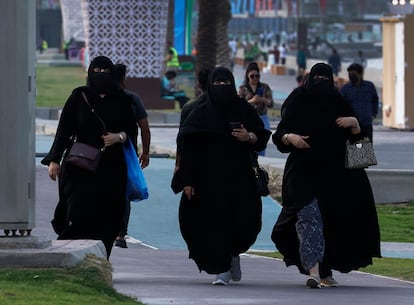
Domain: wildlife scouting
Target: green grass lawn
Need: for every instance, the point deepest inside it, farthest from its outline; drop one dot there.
(396, 222)
(87, 283)
(55, 84)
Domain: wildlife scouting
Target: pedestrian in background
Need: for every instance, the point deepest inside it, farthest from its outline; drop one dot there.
(168, 88)
(258, 94)
(301, 59)
(362, 96)
(334, 60)
(141, 117)
(361, 60)
(283, 53)
(328, 219)
(91, 203)
(276, 54)
(220, 209)
(171, 58)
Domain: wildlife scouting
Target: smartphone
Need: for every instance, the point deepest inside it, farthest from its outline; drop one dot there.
(234, 125)
(260, 91)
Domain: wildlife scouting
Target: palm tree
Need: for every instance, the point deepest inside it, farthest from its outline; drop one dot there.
(170, 21)
(223, 49)
(206, 34)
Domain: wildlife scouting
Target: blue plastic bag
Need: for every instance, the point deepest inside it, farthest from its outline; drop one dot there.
(136, 189)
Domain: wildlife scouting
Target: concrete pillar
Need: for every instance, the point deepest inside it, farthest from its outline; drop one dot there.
(17, 123)
(398, 72)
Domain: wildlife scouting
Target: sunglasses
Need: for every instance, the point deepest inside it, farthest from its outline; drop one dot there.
(254, 76)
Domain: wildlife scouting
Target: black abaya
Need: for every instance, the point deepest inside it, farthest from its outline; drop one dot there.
(223, 217)
(344, 196)
(91, 204)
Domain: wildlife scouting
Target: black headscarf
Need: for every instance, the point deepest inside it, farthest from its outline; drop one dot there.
(319, 87)
(222, 96)
(100, 82)
(222, 105)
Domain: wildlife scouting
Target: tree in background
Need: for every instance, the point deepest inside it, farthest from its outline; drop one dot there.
(212, 34)
(207, 34)
(223, 49)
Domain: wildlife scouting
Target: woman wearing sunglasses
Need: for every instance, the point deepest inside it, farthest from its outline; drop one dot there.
(258, 94)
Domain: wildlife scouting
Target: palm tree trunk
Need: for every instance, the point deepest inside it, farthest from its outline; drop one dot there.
(170, 21)
(223, 49)
(207, 34)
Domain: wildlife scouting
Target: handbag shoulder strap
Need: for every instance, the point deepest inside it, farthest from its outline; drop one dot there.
(253, 158)
(93, 111)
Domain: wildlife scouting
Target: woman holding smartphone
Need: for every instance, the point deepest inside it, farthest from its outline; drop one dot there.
(220, 208)
(257, 93)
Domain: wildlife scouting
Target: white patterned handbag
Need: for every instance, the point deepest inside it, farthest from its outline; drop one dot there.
(359, 154)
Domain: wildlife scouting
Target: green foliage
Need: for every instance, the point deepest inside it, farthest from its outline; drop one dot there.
(396, 222)
(401, 268)
(55, 84)
(87, 283)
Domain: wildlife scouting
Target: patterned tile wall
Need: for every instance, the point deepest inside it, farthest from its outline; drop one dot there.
(72, 19)
(132, 32)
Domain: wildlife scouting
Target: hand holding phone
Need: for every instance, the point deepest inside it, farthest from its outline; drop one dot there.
(234, 125)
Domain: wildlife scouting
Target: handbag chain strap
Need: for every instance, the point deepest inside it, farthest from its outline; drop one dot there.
(93, 111)
(253, 158)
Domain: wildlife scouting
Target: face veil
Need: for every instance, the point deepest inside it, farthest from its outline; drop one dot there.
(100, 75)
(221, 88)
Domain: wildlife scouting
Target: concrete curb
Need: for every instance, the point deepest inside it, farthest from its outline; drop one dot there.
(60, 253)
(391, 186)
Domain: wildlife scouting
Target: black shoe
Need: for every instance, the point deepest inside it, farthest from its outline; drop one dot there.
(120, 243)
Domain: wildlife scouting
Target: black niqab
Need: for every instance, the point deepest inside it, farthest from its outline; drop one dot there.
(322, 91)
(222, 96)
(222, 105)
(101, 82)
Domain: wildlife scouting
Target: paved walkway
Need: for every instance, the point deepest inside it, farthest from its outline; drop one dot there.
(167, 276)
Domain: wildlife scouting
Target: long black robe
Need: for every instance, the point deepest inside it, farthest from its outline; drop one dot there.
(91, 204)
(345, 197)
(223, 218)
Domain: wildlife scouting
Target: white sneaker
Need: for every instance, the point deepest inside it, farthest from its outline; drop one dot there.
(222, 279)
(235, 271)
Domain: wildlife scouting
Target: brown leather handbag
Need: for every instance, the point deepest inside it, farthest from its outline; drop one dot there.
(84, 156)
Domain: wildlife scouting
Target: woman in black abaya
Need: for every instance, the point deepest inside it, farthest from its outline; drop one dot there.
(220, 209)
(328, 220)
(90, 203)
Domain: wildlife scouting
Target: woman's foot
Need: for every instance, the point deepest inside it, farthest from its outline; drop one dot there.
(329, 281)
(235, 271)
(120, 242)
(222, 279)
(313, 281)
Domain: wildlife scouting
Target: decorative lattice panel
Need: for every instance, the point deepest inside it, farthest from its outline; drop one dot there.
(72, 19)
(132, 32)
